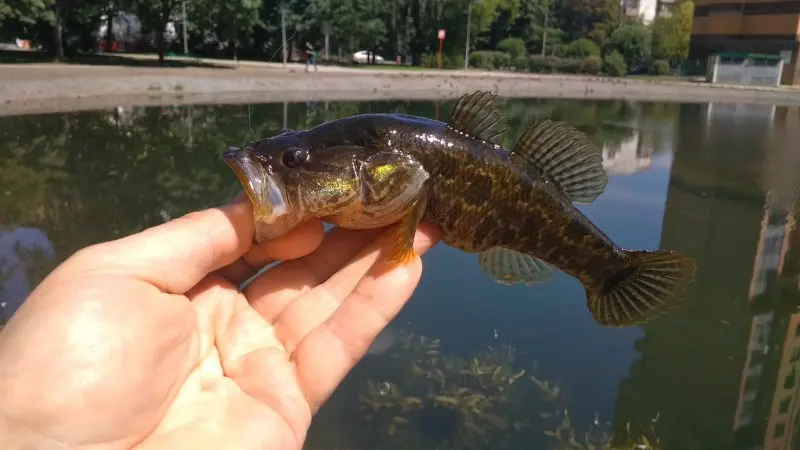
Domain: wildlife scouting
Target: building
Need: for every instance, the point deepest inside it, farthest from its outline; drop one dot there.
(741, 26)
(646, 10)
(631, 155)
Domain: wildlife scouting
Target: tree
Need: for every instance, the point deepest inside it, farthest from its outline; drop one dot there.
(671, 34)
(155, 15)
(633, 41)
(226, 23)
(684, 17)
(582, 48)
(595, 19)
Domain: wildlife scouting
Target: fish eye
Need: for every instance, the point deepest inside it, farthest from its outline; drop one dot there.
(294, 157)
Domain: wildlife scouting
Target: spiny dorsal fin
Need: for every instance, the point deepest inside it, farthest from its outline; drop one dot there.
(567, 157)
(477, 115)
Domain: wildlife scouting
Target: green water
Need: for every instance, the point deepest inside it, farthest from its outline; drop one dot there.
(720, 373)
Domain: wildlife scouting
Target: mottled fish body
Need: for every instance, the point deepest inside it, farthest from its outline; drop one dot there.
(514, 208)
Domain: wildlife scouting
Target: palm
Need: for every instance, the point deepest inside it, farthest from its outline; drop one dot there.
(209, 368)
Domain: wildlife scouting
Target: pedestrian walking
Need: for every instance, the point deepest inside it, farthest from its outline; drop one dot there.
(312, 57)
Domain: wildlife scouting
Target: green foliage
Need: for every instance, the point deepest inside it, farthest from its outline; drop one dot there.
(503, 33)
(536, 63)
(592, 65)
(614, 64)
(581, 48)
(25, 11)
(593, 19)
(515, 47)
(659, 67)
(633, 41)
(671, 34)
(683, 17)
(489, 60)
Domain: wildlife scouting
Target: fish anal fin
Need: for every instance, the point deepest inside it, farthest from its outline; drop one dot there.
(657, 284)
(477, 115)
(567, 157)
(509, 267)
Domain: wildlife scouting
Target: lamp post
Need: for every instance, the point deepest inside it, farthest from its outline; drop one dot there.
(283, 32)
(469, 25)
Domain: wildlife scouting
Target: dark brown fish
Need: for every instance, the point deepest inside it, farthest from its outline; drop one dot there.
(512, 207)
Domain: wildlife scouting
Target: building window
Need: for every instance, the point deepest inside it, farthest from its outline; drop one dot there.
(784, 405)
(795, 355)
(788, 383)
(780, 430)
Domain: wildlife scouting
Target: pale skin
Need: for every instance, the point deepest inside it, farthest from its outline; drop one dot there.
(145, 342)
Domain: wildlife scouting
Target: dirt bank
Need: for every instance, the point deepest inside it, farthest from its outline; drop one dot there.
(41, 88)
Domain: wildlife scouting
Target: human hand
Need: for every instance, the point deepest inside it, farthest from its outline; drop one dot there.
(146, 342)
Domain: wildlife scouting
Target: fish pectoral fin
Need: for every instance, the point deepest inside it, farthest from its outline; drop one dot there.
(656, 284)
(509, 267)
(477, 115)
(567, 157)
(401, 251)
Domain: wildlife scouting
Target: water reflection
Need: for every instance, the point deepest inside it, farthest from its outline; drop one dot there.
(718, 182)
(722, 374)
(93, 176)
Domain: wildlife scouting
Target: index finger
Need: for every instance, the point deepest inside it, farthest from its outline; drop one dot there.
(176, 255)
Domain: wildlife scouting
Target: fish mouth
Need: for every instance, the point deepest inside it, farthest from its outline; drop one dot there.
(269, 201)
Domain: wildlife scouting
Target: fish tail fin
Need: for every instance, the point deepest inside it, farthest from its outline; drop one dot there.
(657, 283)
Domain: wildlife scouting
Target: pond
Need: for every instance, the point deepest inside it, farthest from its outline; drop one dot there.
(470, 363)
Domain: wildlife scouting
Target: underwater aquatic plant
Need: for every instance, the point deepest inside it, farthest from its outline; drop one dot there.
(438, 401)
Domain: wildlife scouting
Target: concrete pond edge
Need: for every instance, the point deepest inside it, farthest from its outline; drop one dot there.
(88, 92)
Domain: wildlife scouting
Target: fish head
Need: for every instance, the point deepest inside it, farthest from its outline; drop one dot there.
(289, 179)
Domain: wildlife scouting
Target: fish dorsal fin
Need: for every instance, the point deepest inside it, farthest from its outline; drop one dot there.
(477, 115)
(567, 157)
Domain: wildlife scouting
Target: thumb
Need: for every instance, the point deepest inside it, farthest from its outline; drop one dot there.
(176, 255)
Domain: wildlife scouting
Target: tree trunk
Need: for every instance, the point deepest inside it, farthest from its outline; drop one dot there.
(110, 28)
(160, 41)
(58, 43)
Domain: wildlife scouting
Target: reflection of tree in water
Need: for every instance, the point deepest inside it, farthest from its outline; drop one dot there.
(589, 117)
(93, 176)
(436, 401)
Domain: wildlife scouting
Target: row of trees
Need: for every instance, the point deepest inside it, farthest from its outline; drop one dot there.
(633, 44)
(404, 28)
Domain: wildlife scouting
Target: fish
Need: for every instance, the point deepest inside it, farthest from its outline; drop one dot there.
(514, 208)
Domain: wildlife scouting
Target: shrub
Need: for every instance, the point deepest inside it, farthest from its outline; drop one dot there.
(456, 61)
(614, 64)
(592, 65)
(567, 65)
(520, 64)
(542, 64)
(581, 48)
(489, 59)
(659, 67)
(428, 60)
(515, 47)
